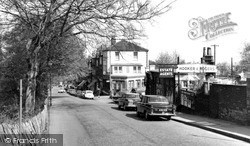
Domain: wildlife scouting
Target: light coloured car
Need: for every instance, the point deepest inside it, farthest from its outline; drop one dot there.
(61, 90)
(88, 94)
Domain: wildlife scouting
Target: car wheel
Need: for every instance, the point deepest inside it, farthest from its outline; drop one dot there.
(147, 117)
(138, 114)
(124, 107)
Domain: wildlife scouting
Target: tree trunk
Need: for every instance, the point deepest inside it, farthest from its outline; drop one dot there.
(33, 48)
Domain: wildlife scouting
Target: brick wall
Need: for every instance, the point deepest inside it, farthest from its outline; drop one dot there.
(229, 102)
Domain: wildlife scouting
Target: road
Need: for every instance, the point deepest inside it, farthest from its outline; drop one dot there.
(98, 122)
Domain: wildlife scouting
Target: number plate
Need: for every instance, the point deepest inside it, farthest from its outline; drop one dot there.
(163, 110)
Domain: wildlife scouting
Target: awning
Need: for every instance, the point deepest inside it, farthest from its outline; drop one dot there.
(92, 83)
(189, 78)
(82, 83)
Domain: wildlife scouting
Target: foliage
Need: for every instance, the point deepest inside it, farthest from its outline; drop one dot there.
(245, 58)
(14, 67)
(167, 58)
(224, 69)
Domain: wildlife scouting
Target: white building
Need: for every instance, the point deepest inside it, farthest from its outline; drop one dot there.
(125, 64)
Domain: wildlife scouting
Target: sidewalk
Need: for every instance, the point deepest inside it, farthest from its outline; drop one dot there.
(226, 128)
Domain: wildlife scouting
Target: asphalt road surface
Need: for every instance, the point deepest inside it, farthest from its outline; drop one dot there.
(98, 122)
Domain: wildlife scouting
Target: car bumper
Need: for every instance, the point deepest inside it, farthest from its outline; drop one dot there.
(131, 105)
(161, 114)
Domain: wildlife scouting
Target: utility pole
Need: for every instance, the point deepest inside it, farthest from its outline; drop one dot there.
(215, 52)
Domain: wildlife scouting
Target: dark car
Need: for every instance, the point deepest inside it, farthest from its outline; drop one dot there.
(128, 100)
(155, 106)
(117, 96)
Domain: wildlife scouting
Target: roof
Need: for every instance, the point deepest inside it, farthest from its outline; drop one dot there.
(126, 64)
(124, 45)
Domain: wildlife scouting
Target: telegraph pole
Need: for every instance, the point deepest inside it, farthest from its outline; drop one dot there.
(215, 51)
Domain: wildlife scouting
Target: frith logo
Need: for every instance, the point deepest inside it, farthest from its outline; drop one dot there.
(210, 28)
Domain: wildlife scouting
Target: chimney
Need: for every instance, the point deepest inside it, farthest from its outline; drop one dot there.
(113, 40)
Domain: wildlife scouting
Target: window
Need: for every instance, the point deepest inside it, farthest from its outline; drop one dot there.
(139, 69)
(117, 56)
(131, 84)
(134, 68)
(143, 82)
(135, 55)
(115, 68)
(138, 82)
(100, 61)
(120, 69)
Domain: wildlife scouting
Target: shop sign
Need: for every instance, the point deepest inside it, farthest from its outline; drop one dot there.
(196, 68)
(167, 70)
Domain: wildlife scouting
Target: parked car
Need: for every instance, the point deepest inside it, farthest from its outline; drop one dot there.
(61, 90)
(79, 93)
(117, 96)
(88, 94)
(128, 100)
(155, 106)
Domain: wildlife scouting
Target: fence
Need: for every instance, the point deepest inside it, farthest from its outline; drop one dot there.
(35, 125)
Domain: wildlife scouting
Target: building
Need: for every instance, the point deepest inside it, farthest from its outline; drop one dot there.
(119, 67)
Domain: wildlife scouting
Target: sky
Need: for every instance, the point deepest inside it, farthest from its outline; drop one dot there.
(169, 32)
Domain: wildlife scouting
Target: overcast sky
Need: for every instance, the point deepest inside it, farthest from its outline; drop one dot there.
(170, 31)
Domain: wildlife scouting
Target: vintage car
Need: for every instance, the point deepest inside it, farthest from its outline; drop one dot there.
(61, 90)
(155, 106)
(117, 96)
(128, 100)
(88, 94)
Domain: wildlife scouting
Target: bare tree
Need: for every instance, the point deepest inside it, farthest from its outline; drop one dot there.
(49, 20)
(167, 58)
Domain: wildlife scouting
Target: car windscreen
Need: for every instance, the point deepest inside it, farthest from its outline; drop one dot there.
(156, 99)
(89, 92)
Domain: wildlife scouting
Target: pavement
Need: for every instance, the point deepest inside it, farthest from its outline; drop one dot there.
(219, 126)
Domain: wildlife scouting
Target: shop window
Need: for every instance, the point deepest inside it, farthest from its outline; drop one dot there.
(138, 82)
(123, 85)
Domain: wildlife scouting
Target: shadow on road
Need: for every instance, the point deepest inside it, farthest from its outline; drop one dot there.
(111, 102)
(127, 110)
(134, 116)
(62, 96)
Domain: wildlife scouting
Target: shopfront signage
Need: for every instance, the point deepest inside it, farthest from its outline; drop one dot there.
(196, 68)
(166, 70)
